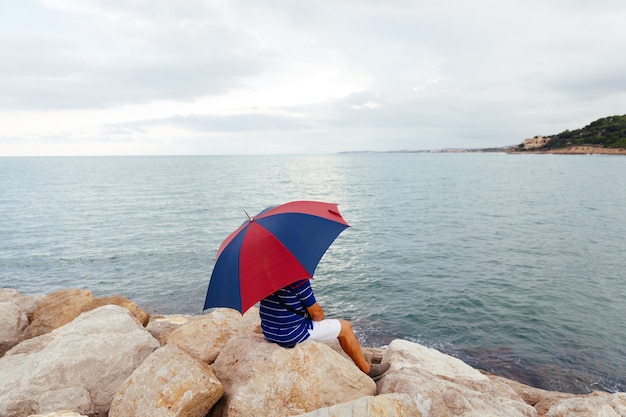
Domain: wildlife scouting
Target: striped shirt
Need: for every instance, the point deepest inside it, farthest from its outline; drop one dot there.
(282, 326)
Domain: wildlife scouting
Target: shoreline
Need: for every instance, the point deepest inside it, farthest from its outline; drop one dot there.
(502, 367)
(225, 353)
(575, 150)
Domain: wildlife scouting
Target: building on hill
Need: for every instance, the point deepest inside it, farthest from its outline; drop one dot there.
(535, 142)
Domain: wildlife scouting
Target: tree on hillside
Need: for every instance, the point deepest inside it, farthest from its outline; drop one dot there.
(609, 132)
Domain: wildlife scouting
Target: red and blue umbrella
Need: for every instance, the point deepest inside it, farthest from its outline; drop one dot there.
(275, 248)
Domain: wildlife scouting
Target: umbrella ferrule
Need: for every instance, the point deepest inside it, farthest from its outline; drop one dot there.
(249, 218)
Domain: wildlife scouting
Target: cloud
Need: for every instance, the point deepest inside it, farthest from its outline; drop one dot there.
(111, 55)
(245, 76)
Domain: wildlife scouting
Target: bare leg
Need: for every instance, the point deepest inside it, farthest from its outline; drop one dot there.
(351, 346)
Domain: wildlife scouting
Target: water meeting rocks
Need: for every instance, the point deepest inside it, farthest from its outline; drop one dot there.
(104, 362)
(443, 385)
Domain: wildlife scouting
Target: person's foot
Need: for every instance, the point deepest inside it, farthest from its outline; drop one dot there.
(377, 370)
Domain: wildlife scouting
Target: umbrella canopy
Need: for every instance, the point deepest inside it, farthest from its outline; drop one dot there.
(278, 246)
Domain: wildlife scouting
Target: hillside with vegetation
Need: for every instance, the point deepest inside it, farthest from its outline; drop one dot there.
(608, 132)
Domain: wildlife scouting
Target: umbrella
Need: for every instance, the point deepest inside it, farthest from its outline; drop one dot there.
(277, 247)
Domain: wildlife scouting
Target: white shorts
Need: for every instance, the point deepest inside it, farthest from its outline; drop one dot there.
(326, 330)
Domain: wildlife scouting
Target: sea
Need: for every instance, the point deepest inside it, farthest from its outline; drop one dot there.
(513, 263)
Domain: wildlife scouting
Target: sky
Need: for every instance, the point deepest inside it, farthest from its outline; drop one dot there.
(228, 77)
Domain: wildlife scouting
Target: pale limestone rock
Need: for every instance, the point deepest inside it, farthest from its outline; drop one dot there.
(168, 383)
(8, 294)
(161, 326)
(26, 303)
(373, 355)
(408, 354)
(13, 322)
(264, 379)
(63, 306)
(541, 399)
(56, 309)
(442, 385)
(386, 405)
(15, 313)
(140, 315)
(598, 404)
(205, 336)
(61, 413)
(78, 366)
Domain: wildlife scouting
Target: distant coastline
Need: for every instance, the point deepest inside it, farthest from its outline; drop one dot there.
(571, 150)
(576, 150)
(605, 136)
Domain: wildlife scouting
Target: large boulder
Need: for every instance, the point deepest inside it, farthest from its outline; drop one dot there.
(57, 309)
(386, 405)
(13, 322)
(541, 399)
(140, 315)
(168, 383)
(205, 336)
(442, 385)
(61, 307)
(61, 413)
(26, 302)
(262, 378)
(161, 326)
(596, 404)
(16, 310)
(76, 367)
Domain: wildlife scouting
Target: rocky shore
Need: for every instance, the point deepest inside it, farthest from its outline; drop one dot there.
(575, 150)
(71, 354)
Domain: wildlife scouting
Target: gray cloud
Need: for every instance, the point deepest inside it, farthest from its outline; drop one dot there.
(250, 122)
(144, 54)
(426, 74)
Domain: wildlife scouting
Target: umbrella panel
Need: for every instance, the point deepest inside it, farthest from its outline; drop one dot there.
(265, 266)
(306, 237)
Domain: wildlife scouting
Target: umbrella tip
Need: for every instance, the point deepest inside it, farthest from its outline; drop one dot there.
(249, 218)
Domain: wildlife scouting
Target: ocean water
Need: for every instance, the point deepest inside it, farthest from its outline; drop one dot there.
(513, 263)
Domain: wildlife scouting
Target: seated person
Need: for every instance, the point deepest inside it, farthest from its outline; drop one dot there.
(292, 315)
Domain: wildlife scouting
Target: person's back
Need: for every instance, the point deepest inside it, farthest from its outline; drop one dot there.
(284, 319)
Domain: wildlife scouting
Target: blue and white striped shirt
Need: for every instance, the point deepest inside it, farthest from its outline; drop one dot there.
(282, 326)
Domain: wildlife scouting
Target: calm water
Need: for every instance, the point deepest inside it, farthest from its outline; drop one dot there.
(513, 263)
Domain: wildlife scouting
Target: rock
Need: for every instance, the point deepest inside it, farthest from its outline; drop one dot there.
(26, 303)
(541, 399)
(57, 309)
(168, 383)
(161, 326)
(77, 367)
(264, 379)
(386, 405)
(8, 294)
(139, 314)
(13, 322)
(16, 310)
(63, 306)
(205, 336)
(62, 413)
(596, 404)
(442, 385)
(373, 355)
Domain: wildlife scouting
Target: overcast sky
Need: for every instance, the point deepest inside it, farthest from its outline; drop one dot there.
(109, 77)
